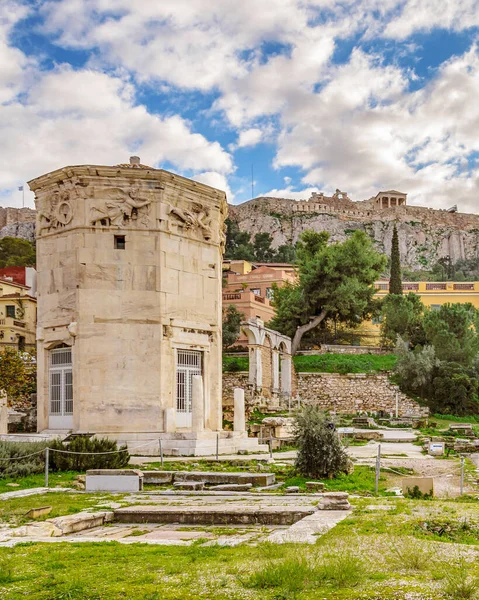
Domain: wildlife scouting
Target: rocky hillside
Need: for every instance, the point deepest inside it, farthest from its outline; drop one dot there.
(17, 222)
(425, 234)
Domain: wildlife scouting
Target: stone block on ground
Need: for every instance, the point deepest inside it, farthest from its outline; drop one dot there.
(232, 487)
(158, 477)
(425, 485)
(314, 486)
(292, 489)
(189, 485)
(334, 501)
(114, 480)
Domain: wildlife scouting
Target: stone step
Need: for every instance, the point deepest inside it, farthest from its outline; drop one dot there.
(213, 515)
(222, 477)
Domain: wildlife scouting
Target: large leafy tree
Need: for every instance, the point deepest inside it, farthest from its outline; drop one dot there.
(335, 281)
(403, 316)
(395, 283)
(232, 318)
(15, 252)
(453, 330)
(17, 375)
(238, 243)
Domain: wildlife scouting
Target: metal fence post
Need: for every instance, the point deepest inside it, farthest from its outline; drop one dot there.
(270, 444)
(378, 469)
(46, 465)
(217, 445)
(161, 453)
(462, 475)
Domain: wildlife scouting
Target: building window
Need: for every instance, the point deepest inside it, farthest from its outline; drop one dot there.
(377, 320)
(10, 311)
(435, 307)
(120, 242)
(21, 343)
(188, 363)
(61, 382)
(256, 291)
(269, 293)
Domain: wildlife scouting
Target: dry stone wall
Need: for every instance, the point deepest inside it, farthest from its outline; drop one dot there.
(347, 394)
(355, 393)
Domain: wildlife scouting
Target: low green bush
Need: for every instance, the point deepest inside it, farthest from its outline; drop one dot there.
(233, 364)
(60, 461)
(13, 465)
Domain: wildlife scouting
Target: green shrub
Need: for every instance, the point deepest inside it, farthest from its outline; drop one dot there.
(320, 452)
(11, 465)
(60, 461)
(234, 364)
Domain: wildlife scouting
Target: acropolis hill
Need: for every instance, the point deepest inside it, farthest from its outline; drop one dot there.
(425, 234)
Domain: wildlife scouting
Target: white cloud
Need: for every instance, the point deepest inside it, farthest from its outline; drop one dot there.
(289, 192)
(269, 67)
(250, 137)
(216, 180)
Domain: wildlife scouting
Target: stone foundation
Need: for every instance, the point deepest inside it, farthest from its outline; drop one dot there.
(354, 393)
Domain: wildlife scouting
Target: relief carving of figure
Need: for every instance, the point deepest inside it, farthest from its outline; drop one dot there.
(122, 208)
(194, 218)
(55, 213)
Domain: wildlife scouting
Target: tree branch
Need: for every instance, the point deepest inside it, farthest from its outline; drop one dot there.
(302, 329)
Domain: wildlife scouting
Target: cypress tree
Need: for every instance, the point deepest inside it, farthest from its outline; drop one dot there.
(395, 283)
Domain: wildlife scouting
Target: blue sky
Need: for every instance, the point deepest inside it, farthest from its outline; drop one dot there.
(360, 95)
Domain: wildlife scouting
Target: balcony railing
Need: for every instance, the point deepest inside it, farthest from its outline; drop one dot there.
(259, 299)
(436, 286)
(19, 324)
(231, 296)
(463, 286)
(410, 287)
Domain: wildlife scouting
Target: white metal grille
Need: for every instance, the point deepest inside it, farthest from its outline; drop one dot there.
(188, 363)
(61, 382)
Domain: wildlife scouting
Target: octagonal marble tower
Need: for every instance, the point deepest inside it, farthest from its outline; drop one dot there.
(129, 304)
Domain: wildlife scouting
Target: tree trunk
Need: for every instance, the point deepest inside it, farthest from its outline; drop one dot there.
(302, 329)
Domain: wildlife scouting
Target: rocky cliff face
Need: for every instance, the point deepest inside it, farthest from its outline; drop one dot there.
(425, 235)
(17, 222)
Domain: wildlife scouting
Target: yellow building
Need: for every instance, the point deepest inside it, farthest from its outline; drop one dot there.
(433, 294)
(18, 315)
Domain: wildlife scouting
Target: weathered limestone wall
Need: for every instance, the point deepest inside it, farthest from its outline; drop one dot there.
(355, 393)
(127, 310)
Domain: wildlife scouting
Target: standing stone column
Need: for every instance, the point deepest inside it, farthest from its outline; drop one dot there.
(3, 412)
(197, 404)
(169, 424)
(239, 423)
(275, 370)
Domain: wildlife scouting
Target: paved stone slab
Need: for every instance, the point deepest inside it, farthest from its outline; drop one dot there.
(213, 515)
(307, 530)
(231, 487)
(189, 485)
(219, 477)
(158, 477)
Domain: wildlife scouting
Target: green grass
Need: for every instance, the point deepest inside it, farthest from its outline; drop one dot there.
(326, 363)
(63, 479)
(235, 363)
(13, 511)
(344, 363)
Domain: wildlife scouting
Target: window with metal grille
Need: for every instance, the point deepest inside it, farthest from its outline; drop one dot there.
(10, 311)
(188, 363)
(61, 382)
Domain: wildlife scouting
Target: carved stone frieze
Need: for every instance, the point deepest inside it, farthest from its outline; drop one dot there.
(197, 217)
(121, 208)
(55, 212)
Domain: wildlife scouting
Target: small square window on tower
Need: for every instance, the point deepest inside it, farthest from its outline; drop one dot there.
(120, 242)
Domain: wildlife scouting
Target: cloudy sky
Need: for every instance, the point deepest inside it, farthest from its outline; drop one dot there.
(360, 95)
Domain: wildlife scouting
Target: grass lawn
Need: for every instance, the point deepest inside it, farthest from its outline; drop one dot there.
(326, 363)
(344, 363)
(374, 554)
